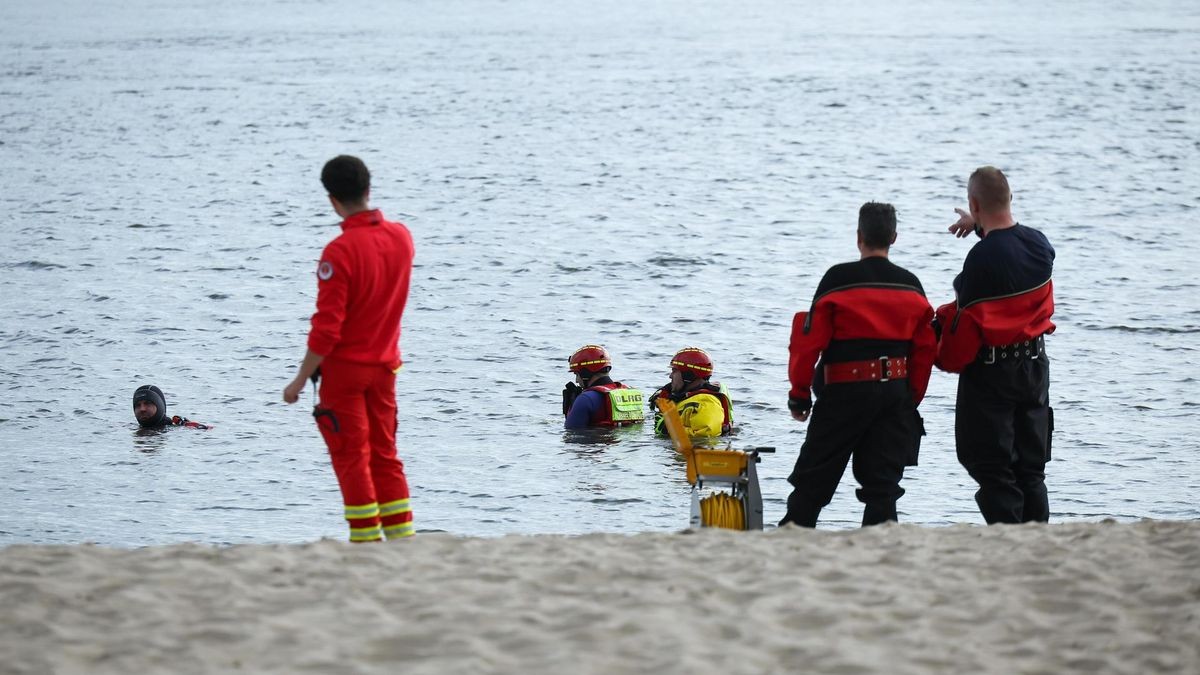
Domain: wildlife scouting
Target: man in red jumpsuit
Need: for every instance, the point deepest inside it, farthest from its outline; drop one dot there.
(362, 287)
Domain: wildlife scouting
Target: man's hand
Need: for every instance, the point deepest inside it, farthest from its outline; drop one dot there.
(570, 393)
(964, 226)
(308, 368)
(291, 393)
(800, 408)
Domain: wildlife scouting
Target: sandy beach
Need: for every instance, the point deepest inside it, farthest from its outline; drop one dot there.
(1093, 597)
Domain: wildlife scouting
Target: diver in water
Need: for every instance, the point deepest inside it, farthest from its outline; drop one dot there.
(594, 399)
(704, 405)
(150, 410)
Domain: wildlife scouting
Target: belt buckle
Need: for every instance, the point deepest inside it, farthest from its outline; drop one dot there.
(884, 368)
(991, 356)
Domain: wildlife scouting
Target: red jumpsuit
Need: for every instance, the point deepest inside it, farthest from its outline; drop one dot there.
(362, 287)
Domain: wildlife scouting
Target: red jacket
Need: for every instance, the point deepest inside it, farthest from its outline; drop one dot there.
(866, 300)
(1004, 293)
(992, 322)
(362, 287)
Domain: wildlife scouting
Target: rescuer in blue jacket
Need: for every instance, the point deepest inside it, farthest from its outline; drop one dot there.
(594, 399)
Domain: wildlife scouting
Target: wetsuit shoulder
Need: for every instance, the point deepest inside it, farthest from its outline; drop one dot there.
(865, 272)
(1012, 260)
(842, 274)
(583, 409)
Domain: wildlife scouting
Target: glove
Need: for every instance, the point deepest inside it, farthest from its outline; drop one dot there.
(570, 393)
(799, 405)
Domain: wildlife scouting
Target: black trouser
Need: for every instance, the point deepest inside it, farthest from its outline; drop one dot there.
(1002, 429)
(877, 424)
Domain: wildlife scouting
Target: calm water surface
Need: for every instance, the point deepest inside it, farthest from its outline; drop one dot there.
(647, 176)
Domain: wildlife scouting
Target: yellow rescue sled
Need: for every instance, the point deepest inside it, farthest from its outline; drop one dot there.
(741, 507)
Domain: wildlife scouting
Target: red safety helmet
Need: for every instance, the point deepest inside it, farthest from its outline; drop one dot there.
(692, 360)
(591, 358)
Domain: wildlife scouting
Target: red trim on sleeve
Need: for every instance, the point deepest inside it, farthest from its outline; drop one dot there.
(806, 347)
(921, 356)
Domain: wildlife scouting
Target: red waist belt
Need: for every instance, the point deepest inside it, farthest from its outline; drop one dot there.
(881, 369)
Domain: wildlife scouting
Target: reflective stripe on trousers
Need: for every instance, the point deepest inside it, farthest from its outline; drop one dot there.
(360, 432)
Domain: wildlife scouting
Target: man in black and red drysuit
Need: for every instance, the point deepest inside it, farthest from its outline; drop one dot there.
(362, 287)
(993, 335)
(870, 325)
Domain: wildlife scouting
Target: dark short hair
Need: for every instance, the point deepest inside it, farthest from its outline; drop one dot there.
(989, 187)
(877, 224)
(346, 178)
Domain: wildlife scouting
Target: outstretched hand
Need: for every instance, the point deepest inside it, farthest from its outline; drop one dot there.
(964, 226)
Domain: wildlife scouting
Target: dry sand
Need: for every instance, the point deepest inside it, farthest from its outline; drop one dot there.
(1087, 598)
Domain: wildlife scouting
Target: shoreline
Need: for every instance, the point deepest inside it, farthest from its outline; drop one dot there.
(1076, 597)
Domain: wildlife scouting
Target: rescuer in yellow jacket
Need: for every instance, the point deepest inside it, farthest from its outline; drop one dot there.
(704, 405)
